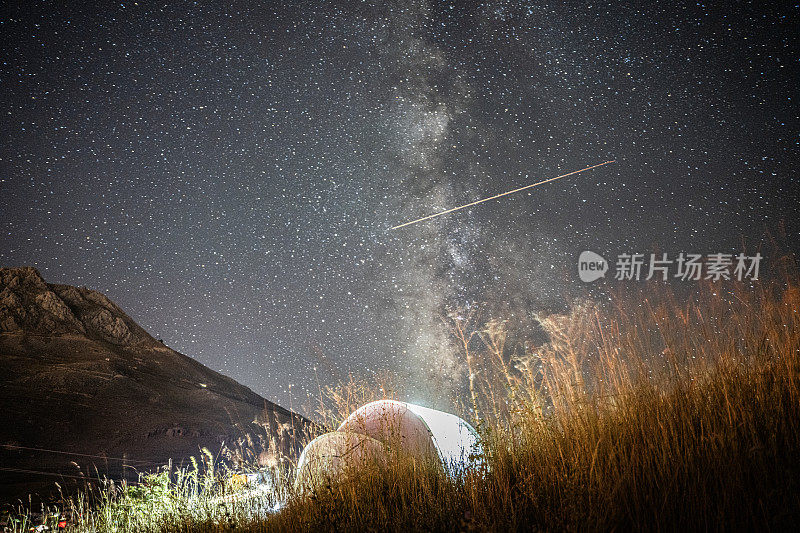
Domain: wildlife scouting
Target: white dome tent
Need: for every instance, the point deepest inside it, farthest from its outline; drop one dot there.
(394, 424)
(411, 429)
(333, 454)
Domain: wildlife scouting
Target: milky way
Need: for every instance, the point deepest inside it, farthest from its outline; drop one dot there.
(227, 174)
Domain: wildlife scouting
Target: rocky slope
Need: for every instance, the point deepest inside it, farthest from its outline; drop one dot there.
(85, 390)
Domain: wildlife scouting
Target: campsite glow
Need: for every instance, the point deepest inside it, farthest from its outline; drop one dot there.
(455, 439)
(364, 434)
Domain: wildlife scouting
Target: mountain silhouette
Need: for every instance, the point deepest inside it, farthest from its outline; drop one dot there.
(85, 392)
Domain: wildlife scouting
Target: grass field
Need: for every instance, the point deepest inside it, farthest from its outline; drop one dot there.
(651, 412)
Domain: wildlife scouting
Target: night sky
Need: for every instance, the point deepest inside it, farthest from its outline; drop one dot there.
(227, 174)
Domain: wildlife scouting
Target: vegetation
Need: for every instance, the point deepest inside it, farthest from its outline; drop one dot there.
(655, 411)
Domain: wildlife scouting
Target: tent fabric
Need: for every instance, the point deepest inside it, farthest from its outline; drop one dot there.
(329, 457)
(394, 424)
(377, 430)
(456, 440)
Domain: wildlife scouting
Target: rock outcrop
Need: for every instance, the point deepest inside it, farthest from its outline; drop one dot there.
(30, 305)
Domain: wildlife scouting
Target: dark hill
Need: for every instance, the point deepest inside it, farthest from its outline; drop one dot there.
(78, 376)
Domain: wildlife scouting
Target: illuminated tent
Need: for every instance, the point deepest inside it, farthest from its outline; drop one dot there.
(395, 425)
(331, 455)
(378, 429)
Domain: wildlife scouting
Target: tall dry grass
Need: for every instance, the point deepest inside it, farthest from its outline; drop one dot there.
(652, 411)
(655, 411)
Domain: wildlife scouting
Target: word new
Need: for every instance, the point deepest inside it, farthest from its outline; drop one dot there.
(687, 267)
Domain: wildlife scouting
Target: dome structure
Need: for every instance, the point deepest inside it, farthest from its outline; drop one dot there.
(332, 455)
(394, 424)
(377, 431)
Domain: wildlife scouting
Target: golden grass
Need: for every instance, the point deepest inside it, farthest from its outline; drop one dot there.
(653, 412)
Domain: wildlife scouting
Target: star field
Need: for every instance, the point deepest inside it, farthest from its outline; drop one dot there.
(227, 173)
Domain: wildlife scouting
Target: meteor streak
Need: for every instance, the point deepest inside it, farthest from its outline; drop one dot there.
(501, 194)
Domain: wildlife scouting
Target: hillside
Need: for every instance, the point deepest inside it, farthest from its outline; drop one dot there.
(78, 376)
